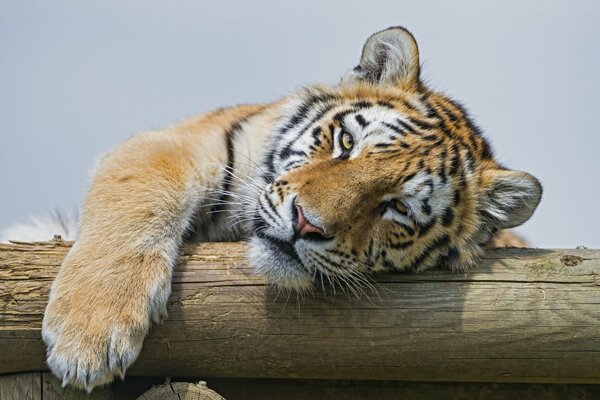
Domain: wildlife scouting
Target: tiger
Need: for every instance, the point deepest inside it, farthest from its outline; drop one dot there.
(374, 173)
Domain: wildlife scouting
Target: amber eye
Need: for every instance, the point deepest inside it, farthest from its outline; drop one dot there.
(346, 141)
(400, 207)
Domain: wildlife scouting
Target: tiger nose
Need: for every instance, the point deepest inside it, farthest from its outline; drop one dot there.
(304, 228)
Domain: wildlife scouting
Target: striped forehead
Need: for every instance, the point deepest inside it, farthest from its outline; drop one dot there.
(373, 124)
(375, 127)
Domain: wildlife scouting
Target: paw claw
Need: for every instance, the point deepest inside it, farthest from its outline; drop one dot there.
(75, 358)
(91, 342)
(66, 379)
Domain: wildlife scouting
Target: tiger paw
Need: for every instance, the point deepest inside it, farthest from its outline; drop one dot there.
(86, 348)
(98, 315)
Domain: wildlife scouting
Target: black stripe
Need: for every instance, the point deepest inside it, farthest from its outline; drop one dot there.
(327, 262)
(447, 113)
(451, 259)
(338, 253)
(369, 251)
(431, 112)
(361, 120)
(409, 105)
(468, 162)
(320, 271)
(316, 134)
(425, 206)
(230, 135)
(448, 216)
(287, 152)
(362, 104)
(385, 104)
(395, 128)
(423, 229)
(456, 196)
(293, 164)
(421, 124)
(402, 245)
(267, 213)
(405, 126)
(270, 165)
(442, 166)
(389, 264)
(226, 182)
(317, 117)
(486, 151)
(272, 206)
(305, 107)
(339, 117)
(410, 231)
(455, 161)
(408, 177)
(436, 245)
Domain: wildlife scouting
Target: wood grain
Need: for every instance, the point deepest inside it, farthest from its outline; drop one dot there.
(181, 391)
(44, 386)
(522, 316)
(21, 386)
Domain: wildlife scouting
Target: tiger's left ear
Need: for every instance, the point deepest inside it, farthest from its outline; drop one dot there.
(509, 197)
(389, 57)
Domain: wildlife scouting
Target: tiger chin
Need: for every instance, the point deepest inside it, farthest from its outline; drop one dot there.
(375, 173)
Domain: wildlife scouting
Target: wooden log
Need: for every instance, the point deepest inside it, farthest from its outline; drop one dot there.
(522, 316)
(44, 386)
(21, 386)
(181, 391)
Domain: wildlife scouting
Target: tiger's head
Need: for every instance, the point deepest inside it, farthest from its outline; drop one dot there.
(379, 173)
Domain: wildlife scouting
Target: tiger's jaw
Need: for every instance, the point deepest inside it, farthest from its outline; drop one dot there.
(274, 248)
(279, 262)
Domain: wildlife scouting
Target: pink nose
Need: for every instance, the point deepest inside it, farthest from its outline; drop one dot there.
(304, 226)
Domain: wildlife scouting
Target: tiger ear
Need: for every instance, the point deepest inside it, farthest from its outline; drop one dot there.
(389, 57)
(509, 197)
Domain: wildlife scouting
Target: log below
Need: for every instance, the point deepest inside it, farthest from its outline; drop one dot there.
(524, 315)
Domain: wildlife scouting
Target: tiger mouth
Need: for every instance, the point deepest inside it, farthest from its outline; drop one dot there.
(283, 246)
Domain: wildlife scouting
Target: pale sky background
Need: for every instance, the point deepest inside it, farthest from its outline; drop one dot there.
(78, 77)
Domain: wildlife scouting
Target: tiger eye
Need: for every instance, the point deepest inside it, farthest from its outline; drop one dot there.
(400, 207)
(346, 140)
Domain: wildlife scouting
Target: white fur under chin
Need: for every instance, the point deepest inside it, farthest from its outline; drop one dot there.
(276, 267)
(43, 228)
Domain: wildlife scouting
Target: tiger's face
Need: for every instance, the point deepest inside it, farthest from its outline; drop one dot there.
(379, 173)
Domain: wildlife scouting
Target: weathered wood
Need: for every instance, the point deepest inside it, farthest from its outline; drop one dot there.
(293, 389)
(44, 386)
(181, 391)
(21, 386)
(52, 390)
(296, 389)
(522, 316)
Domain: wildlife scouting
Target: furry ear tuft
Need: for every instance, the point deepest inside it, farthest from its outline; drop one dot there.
(389, 57)
(510, 197)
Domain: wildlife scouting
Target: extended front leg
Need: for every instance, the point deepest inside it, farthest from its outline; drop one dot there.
(116, 279)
